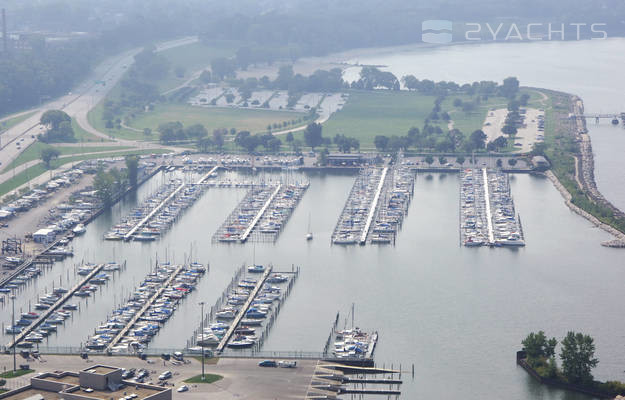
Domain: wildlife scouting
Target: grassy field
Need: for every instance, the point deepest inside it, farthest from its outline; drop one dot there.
(8, 123)
(16, 373)
(370, 113)
(82, 135)
(212, 118)
(193, 57)
(33, 152)
(36, 170)
(208, 378)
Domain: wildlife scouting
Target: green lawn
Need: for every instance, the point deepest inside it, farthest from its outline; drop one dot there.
(36, 170)
(82, 135)
(33, 152)
(370, 113)
(208, 378)
(193, 57)
(8, 123)
(16, 373)
(254, 121)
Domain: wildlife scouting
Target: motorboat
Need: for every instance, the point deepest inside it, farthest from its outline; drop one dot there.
(79, 229)
(256, 269)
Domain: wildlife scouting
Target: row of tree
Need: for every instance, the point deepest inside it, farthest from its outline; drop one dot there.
(110, 184)
(577, 354)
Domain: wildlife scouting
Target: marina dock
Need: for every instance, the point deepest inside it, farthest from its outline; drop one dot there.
(28, 329)
(260, 213)
(355, 219)
(124, 331)
(132, 231)
(373, 208)
(487, 213)
(243, 310)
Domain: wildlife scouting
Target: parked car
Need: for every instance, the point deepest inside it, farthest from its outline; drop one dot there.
(287, 364)
(267, 363)
(164, 376)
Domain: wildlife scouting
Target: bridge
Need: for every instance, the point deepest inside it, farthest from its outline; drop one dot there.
(614, 117)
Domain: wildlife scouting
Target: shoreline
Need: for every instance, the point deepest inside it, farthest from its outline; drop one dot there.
(585, 179)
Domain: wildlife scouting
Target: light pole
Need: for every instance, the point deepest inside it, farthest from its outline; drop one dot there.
(202, 344)
(13, 330)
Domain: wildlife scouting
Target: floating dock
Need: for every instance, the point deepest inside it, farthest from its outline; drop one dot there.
(261, 214)
(487, 213)
(28, 329)
(355, 219)
(237, 319)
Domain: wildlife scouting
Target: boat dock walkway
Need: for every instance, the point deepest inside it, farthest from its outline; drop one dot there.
(156, 209)
(243, 310)
(143, 309)
(373, 207)
(258, 215)
(164, 202)
(489, 217)
(55, 306)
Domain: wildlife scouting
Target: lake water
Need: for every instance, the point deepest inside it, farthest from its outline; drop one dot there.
(458, 314)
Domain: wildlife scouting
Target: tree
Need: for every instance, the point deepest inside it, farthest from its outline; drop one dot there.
(195, 131)
(429, 160)
(147, 131)
(289, 137)
(273, 145)
(477, 139)
(322, 159)
(240, 138)
(536, 345)
(218, 138)
(53, 118)
(381, 142)
(460, 160)
(510, 87)
(509, 130)
(512, 162)
(524, 99)
(222, 68)
(578, 357)
(499, 163)
(48, 154)
(132, 165)
(205, 76)
(204, 143)
(312, 135)
(442, 160)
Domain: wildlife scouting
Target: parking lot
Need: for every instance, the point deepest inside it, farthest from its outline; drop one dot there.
(242, 378)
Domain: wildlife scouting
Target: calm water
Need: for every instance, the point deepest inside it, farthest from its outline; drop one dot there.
(458, 314)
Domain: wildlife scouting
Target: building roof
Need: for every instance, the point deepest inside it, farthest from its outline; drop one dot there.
(44, 231)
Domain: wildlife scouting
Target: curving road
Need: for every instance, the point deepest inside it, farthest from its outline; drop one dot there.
(78, 103)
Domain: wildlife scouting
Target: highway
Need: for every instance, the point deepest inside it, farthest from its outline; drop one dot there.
(77, 103)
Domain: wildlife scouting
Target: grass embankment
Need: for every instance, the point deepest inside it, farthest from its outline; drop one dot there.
(33, 152)
(208, 378)
(36, 170)
(561, 149)
(11, 122)
(16, 373)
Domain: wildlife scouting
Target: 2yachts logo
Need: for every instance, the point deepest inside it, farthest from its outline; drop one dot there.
(440, 31)
(436, 31)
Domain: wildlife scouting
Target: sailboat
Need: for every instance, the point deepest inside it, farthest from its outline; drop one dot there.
(309, 235)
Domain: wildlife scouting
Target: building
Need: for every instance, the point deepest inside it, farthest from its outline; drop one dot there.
(540, 162)
(44, 235)
(345, 160)
(93, 383)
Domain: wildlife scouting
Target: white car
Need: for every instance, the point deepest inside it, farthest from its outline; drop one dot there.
(287, 364)
(183, 388)
(165, 375)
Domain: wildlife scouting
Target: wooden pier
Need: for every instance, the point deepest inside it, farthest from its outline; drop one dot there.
(373, 207)
(207, 175)
(224, 341)
(54, 307)
(143, 309)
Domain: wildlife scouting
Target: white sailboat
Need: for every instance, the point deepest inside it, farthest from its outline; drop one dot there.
(309, 235)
